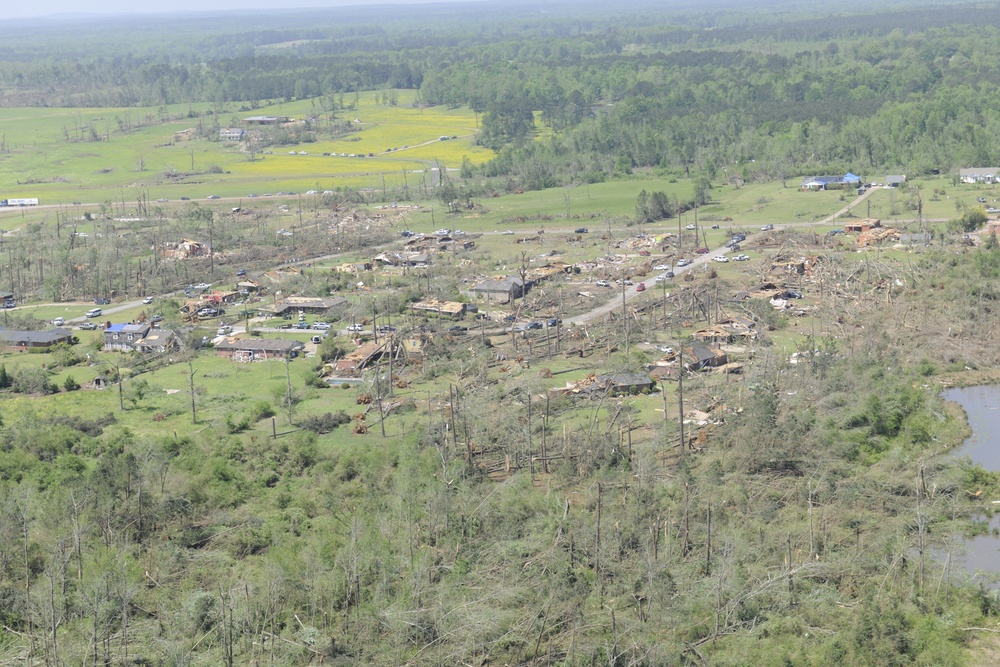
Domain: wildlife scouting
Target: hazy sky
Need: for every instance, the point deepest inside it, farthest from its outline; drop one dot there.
(41, 8)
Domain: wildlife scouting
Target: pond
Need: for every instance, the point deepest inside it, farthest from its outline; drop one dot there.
(982, 406)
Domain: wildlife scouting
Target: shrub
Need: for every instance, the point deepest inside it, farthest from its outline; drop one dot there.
(70, 383)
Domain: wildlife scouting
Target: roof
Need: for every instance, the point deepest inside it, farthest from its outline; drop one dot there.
(51, 336)
(261, 344)
(850, 178)
(979, 171)
(498, 285)
(128, 328)
(452, 307)
(157, 337)
(895, 179)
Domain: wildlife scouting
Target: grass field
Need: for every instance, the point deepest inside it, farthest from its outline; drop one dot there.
(96, 155)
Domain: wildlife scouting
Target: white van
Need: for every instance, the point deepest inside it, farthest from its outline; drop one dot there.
(58, 322)
(94, 312)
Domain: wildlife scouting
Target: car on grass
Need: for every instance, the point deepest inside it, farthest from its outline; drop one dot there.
(442, 232)
(741, 258)
(406, 233)
(241, 273)
(203, 286)
(722, 259)
(208, 312)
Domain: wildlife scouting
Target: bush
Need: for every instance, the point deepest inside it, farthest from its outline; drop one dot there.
(321, 424)
(70, 383)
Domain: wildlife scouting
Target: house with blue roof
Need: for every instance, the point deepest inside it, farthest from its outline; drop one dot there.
(830, 182)
(124, 337)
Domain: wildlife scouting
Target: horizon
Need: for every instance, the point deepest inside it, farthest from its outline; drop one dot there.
(68, 10)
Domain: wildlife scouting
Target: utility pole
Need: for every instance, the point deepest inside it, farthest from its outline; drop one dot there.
(680, 393)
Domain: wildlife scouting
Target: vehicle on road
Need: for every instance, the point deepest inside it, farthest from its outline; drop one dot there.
(683, 261)
(641, 287)
(102, 302)
(58, 321)
(224, 331)
(162, 200)
(458, 328)
(148, 300)
(553, 322)
(94, 312)
(301, 325)
(88, 326)
(386, 329)
(603, 283)
(581, 230)
(355, 327)
(212, 197)
(533, 325)
(321, 326)
(507, 232)
(692, 226)
(767, 228)
(644, 253)
(661, 267)
(701, 251)
(203, 286)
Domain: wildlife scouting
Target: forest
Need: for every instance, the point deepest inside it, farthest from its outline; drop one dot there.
(201, 512)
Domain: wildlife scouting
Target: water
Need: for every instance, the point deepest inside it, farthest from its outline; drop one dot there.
(982, 405)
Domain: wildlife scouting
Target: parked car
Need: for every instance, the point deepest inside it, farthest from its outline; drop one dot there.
(241, 273)
(301, 325)
(102, 302)
(321, 326)
(741, 258)
(442, 232)
(156, 318)
(406, 233)
(683, 262)
(533, 325)
(223, 331)
(93, 312)
(603, 283)
(661, 267)
(58, 322)
(701, 251)
(668, 274)
(722, 259)
(458, 328)
(981, 200)
(644, 253)
(692, 226)
(767, 228)
(641, 287)
(355, 327)
(715, 226)
(385, 329)
(212, 197)
(580, 230)
(208, 312)
(553, 322)
(88, 326)
(148, 300)
(507, 232)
